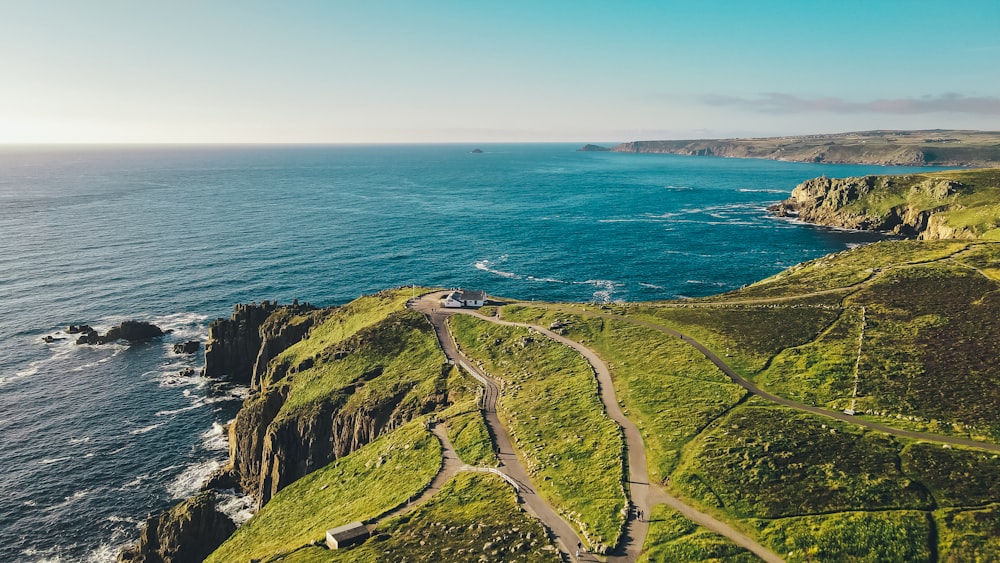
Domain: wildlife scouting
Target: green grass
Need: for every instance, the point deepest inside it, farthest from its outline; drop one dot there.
(956, 476)
(469, 435)
(550, 406)
(968, 535)
(932, 344)
(474, 516)
(892, 536)
(363, 312)
(362, 485)
(665, 386)
(843, 269)
(396, 359)
(751, 334)
(770, 462)
(673, 538)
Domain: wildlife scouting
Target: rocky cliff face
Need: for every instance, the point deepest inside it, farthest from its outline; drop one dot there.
(876, 203)
(234, 346)
(270, 449)
(187, 533)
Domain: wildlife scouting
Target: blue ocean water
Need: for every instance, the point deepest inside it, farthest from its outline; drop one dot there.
(93, 439)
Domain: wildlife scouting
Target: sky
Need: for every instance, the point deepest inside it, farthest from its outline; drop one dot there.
(384, 71)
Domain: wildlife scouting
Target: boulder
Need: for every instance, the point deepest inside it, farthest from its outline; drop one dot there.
(189, 347)
(130, 331)
(77, 329)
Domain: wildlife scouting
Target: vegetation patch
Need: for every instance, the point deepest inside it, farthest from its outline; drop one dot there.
(550, 405)
(669, 389)
(931, 345)
(844, 269)
(902, 536)
(751, 333)
(769, 462)
(396, 360)
(672, 538)
(475, 517)
(968, 535)
(359, 486)
(955, 476)
(469, 434)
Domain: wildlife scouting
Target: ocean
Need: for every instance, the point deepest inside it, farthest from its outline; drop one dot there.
(93, 439)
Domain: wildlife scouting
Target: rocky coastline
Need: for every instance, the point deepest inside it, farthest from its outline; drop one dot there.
(916, 206)
(268, 451)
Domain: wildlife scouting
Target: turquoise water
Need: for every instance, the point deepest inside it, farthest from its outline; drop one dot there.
(93, 439)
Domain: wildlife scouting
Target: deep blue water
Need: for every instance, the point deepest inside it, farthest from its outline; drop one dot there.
(93, 439)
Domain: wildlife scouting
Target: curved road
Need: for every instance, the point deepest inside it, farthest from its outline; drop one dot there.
(563, 535)
(644, 495)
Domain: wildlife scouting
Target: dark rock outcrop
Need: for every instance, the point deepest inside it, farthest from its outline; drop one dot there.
(592, 148)
(77, 329)
(233, 343)
(856, 203)
(130, 331)
(189, 347)
(187, 533)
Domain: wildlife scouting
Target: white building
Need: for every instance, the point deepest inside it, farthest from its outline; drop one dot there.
(465, 298)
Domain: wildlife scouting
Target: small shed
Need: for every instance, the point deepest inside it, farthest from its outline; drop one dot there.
(465, 298)
(346, 535)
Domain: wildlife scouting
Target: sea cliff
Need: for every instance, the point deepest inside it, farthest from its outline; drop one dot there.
(898, 148)
(324, 383)
(941, 205)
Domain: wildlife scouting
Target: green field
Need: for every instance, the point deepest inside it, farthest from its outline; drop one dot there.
(672, 538)
(362, 485)
(475, 517)
(665, 386)
(746, 464)
(550, 406)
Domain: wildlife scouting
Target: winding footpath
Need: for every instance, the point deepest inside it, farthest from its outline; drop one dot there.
(753, 389)
(644, 495)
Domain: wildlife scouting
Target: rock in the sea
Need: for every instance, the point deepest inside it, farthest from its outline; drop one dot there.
(77, 329)
(187, 533)
(187, 372)
(477, 151)
(592, 148)
(189, 347)
(130, 331)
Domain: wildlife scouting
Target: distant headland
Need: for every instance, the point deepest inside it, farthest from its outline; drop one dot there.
(936, 147)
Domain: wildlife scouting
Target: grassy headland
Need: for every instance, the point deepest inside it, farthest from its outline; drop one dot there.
(907, 148)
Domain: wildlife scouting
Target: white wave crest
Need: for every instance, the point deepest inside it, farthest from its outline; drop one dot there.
(191, 479)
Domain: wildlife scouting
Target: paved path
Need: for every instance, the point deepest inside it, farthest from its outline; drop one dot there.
(451, 465)
(644, 495)
(563, 535)
(715, 359)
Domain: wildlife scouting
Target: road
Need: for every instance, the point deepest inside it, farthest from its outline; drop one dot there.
(644, 495)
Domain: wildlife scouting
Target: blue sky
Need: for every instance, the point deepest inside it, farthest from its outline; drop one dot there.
(433, 71)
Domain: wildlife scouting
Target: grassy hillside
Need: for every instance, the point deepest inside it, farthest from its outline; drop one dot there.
(362, 485)
(550, 406)
(914, 326)
(475, 517)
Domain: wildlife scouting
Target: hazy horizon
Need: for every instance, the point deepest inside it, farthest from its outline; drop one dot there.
(310, 72)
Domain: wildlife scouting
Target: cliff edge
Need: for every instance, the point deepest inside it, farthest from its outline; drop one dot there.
(940, 205)
(898, 148)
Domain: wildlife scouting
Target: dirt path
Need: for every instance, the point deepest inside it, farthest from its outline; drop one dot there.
(451, 465)
(644, 495)
(563, 535)
(739, 380)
